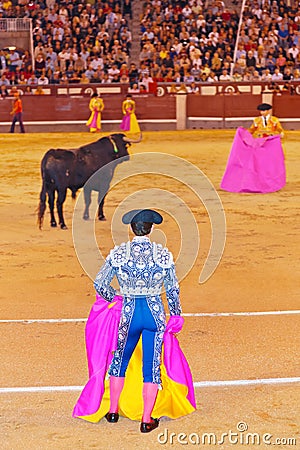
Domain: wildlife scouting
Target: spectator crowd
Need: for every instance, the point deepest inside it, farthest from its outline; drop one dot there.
(183, 42)
(74, 42)
(90, 41)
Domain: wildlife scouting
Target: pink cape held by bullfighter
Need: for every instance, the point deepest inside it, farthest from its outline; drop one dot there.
(254, 164)
(175, 399)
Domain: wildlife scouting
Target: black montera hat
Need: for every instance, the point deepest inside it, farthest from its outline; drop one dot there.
(142, 215)
(264, 107)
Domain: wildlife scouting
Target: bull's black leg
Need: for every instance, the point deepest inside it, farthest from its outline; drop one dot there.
(103, 190)
(87, 202)
(100, 207)
(51, 194)
(59, 204)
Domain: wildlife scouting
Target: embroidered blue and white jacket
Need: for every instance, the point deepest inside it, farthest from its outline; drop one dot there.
(142, 268)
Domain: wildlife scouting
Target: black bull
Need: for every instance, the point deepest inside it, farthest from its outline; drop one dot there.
(70, 169)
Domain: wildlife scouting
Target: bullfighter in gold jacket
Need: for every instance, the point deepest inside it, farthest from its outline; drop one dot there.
(266, 124)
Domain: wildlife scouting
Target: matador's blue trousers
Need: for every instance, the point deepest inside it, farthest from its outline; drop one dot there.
(142, 323)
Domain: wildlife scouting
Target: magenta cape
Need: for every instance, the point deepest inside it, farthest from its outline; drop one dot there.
(125, 124)
(177, 396)
(254, 164)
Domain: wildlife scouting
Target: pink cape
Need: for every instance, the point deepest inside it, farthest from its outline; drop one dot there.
(125, 124)
(101, 341)
(101, 333)
(254, 164)
(93, 124)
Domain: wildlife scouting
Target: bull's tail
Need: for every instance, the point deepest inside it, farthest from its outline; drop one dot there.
(42, 204)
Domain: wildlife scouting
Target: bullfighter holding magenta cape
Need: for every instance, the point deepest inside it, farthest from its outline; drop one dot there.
(129, 121)
(175, 399)
(254, 164)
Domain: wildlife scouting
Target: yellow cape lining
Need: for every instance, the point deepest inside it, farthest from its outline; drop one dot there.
(171, 399)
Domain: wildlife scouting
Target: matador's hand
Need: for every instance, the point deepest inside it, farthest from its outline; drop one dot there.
(175, 324)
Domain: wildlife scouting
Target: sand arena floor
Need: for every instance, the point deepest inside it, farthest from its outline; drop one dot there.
(41, 278)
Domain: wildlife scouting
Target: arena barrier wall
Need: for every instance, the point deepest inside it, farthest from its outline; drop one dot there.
(66, 108)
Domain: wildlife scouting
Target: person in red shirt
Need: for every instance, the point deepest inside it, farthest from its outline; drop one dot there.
(17, 112)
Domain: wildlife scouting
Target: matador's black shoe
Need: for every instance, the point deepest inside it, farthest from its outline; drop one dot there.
(146, 427)
(112, 417)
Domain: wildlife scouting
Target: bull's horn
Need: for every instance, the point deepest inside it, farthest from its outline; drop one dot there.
(133, 141)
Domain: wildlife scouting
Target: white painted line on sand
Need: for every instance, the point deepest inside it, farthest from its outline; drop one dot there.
(197, 384)
(41, 320)
(40, 389)
(221, 314)
(203, 384)
(246, 313)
